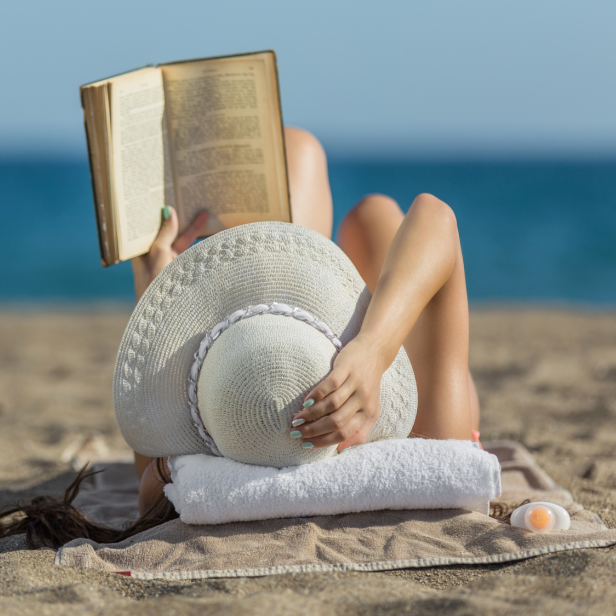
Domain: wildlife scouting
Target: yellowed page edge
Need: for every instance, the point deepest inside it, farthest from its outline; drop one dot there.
(137, 109)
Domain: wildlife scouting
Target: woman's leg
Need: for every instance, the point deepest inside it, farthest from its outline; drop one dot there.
(311, 197)
(438, 343)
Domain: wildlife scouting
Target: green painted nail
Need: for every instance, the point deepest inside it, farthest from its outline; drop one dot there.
(307, 445)
(308, 403)
(166, 212)
(345, 449)
(295, 434)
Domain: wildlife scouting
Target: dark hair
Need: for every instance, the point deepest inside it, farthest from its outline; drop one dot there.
(50, 522)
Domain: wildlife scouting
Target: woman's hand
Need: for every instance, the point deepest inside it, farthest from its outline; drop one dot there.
(346, 403)
(166, 247)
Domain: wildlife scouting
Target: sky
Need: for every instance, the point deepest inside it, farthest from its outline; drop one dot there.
(428, 78)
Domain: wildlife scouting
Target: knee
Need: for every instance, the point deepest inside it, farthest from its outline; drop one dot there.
(302, 144)
(371, 214)
(373, 205)
(426, 205)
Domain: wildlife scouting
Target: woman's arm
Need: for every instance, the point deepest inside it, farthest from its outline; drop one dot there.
(151, 486)
(420, 261)
(166, 247)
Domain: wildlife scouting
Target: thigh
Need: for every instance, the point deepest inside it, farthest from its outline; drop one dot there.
(311, 198)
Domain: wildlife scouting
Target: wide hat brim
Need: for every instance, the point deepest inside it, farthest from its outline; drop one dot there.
(259, 263)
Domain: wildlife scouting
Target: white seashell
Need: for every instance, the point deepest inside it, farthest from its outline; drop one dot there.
(554, 516)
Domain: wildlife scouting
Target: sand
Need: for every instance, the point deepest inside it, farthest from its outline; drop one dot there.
(546, 378)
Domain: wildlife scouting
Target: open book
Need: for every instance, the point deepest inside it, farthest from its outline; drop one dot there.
(199, 134)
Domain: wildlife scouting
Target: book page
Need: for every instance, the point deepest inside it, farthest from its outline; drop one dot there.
(225, 133)
(137, 113)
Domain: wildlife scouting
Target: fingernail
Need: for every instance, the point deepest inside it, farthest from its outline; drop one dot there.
(166, 212)
(307, 445)
(308, 403)
(345, 449)
(295, 434)
(298, 422)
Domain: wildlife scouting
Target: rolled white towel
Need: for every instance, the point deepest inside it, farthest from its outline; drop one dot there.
(391, 474)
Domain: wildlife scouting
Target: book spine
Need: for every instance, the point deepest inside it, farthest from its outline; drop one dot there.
(96, 178)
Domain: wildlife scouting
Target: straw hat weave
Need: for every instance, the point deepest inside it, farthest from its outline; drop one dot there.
(229, 338)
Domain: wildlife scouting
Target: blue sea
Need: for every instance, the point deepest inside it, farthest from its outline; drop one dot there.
(541, 232)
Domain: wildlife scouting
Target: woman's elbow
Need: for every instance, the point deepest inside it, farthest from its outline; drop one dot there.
(428, 206)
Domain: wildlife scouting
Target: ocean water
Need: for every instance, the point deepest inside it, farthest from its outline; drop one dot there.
(531, 231)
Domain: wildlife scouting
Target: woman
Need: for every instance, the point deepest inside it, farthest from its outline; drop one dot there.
(412, 265)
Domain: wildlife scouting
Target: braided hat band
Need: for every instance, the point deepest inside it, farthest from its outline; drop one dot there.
(207, 342)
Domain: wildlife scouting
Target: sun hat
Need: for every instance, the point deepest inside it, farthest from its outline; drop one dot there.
(229, 338)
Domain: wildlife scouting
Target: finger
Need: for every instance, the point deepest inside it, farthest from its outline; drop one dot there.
(359, 437)
(330, 423)
(168, 230)
(327, 405)
(185, 240)
(339, 436)
(336, 378)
